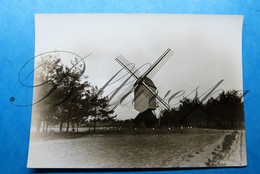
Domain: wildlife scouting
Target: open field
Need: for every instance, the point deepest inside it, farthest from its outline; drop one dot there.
(146, 148)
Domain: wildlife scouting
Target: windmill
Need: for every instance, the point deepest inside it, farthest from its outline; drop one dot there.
(145, 96)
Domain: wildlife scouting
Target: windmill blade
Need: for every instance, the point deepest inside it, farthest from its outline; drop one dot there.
(148, 94)
(157, 96)
(130, 89)
(123, 96)
(129, 67)
(159, 63)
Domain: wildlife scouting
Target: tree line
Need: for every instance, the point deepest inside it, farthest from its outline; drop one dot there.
(224, 112)
(65, 97)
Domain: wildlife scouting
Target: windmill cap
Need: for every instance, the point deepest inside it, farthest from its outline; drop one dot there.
(148, 82)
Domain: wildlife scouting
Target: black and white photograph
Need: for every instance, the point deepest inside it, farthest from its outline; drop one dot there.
(137, 91)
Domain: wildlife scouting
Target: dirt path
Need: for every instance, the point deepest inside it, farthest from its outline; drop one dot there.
(200, 156)
(237, 154)
(235, 157)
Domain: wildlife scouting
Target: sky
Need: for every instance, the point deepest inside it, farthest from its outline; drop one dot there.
(207, 48)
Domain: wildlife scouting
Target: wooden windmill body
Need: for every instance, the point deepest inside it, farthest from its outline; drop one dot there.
(143, 98)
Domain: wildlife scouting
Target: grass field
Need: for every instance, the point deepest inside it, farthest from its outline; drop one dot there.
(124, 149)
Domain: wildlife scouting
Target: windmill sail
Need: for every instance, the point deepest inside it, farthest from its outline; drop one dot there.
(157, 64)
(129, 67)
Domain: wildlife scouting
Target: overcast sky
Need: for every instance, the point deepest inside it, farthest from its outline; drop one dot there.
(207, 48)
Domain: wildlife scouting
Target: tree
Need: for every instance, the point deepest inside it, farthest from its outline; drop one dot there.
(65, 96)
(182, 114)
(59, 91)
(99, 110)
(46, 72)
(167, 117)
(226, 111)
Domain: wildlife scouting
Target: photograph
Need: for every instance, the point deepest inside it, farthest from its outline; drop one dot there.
(137, 91)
